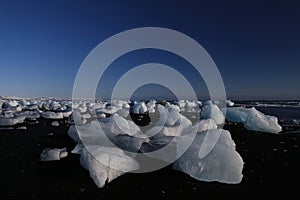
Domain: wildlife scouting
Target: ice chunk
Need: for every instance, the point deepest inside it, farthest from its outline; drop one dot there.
(55, 123)
(168, 117)
(52, 115)
(212, 157)
(121, 104)
(78, 149)
(120, 132)
(54, 105)
(10, 121)
(122, 112)
(119, 125)
(236, 114)
(170, 123)
(206, 124)
(191, 104)
(101, 115)
(106, 163)
(229, 103)
(86, 116)
(172, 107)
(213, 112)
(151, 106)
(207, 103)
(139, 108)
(67, 113)
(22, 128)
(109, 109)
(257, 121)
(253, 119)
(31, 115)
(8, 104)
(129, 143)
(78, 119)
(53, 154)
(181, 103)
(72, 132)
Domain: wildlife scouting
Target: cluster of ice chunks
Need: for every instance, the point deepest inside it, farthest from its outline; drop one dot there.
(106, 137)
(212, 147)
(15, 111)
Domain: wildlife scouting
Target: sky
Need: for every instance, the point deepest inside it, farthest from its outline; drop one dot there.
(255, 44)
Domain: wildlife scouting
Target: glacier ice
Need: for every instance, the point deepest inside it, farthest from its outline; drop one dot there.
(253, 119)
(121, 132)
(53, 154)
(206, 124)
(229, 103)
(52, 115)
(10, 121)
(55, 123)
(172, 123)
(119, 125)
(188, 104)
(72, 132)
(151, 106)
(212, 157)
(212, 111)
(139, 108)
(106, 163)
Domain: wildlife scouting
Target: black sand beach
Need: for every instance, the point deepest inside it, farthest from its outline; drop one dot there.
(271, 169)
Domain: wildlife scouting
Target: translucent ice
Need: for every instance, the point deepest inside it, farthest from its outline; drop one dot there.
(212, 111)
(212, 157)
(52, 115)
(106, 163)
(139, 108)
(206, 124)
(172, 123)
(253, 119)
(10, 121)
(55, 123)
(53, 154)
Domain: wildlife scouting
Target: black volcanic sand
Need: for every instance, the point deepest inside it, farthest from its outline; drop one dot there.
(271, 170)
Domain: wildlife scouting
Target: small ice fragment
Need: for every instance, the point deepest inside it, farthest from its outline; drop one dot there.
(55, 123)
(53, 154)
(22, 128)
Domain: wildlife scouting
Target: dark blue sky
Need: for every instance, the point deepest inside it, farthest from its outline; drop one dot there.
(255, 44)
